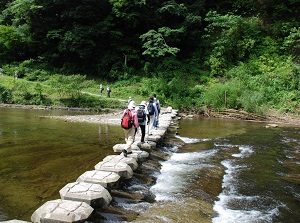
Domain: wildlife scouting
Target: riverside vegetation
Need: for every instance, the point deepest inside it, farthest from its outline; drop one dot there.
(194, 55)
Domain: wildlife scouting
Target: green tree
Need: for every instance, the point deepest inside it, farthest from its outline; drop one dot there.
(232, 38)
(155, 42)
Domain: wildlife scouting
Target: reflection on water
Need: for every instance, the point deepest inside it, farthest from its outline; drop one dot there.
(39, 156)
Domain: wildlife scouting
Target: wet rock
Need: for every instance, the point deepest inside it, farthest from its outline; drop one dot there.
(159, 156)
(271, 126)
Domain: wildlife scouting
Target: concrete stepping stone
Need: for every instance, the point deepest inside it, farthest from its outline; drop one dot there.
(62, 211)
(139, 155)
(147, 146)
(122, 169)
(120, 158)
(160, 132)
(104, 178)
(119, 147)
(92, 194)
(14, 221)
(154, 138)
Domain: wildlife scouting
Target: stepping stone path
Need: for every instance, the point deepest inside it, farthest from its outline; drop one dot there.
(90, 189)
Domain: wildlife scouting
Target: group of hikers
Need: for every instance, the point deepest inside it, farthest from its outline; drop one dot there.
(136, 117)
(108, 90)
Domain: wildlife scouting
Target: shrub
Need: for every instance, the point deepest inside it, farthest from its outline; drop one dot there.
(223, 95)
(5, 94)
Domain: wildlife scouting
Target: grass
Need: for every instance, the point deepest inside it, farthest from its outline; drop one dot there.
(89, 95)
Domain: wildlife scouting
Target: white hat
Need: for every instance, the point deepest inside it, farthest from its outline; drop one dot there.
(143, 103)
(131, 105)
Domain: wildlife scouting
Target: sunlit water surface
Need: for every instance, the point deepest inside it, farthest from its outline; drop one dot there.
(226, 171)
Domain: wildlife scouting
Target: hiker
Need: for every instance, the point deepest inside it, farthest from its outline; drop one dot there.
(156, 101)
(142, 115)
(129, 100)
(169, 109)
(101, 89)
(108, 91)
(16, 74)
(129, 133)
(152, 113)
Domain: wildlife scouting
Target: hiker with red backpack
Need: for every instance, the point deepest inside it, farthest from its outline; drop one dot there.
(129, 123)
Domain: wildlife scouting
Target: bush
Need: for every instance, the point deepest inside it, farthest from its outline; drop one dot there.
(5, 94)
(223, 95)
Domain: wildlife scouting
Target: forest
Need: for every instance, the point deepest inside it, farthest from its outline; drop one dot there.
(194, 54)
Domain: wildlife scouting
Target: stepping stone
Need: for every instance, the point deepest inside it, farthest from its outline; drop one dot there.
(62, 211)
(104, 178)
(92, 194)
(147, 146)
(14, 221)
(119, 147)
(159, 132)
(154, 138)
(122, 169)
(139, 155)
(120, 158)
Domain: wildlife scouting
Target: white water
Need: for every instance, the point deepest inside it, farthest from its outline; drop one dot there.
(177, 173)
(243, 210)
(191, 140)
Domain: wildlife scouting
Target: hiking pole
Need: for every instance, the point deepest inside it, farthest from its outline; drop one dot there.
(148, 125)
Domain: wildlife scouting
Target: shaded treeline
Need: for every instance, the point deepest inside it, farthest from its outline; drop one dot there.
(178, 43)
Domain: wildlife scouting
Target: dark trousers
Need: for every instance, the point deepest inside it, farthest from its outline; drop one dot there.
(143, 129)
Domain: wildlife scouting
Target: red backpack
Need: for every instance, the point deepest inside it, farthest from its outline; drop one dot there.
(127, 120)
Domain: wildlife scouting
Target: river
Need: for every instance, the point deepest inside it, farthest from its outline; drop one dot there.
(218, 170)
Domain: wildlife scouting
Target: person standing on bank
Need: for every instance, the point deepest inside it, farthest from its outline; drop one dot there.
(108, 91)
(129, 133)
(142, 113)
(101, 89)
(152, 113)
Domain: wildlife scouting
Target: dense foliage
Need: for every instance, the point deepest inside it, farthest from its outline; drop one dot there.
(220, 54)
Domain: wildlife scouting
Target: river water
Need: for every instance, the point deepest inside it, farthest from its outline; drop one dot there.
(220, 171)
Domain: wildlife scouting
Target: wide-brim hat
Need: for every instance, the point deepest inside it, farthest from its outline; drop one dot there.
(143, 103)
(131, 105)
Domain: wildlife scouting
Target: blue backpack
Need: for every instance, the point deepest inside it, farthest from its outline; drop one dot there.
(150, 108)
